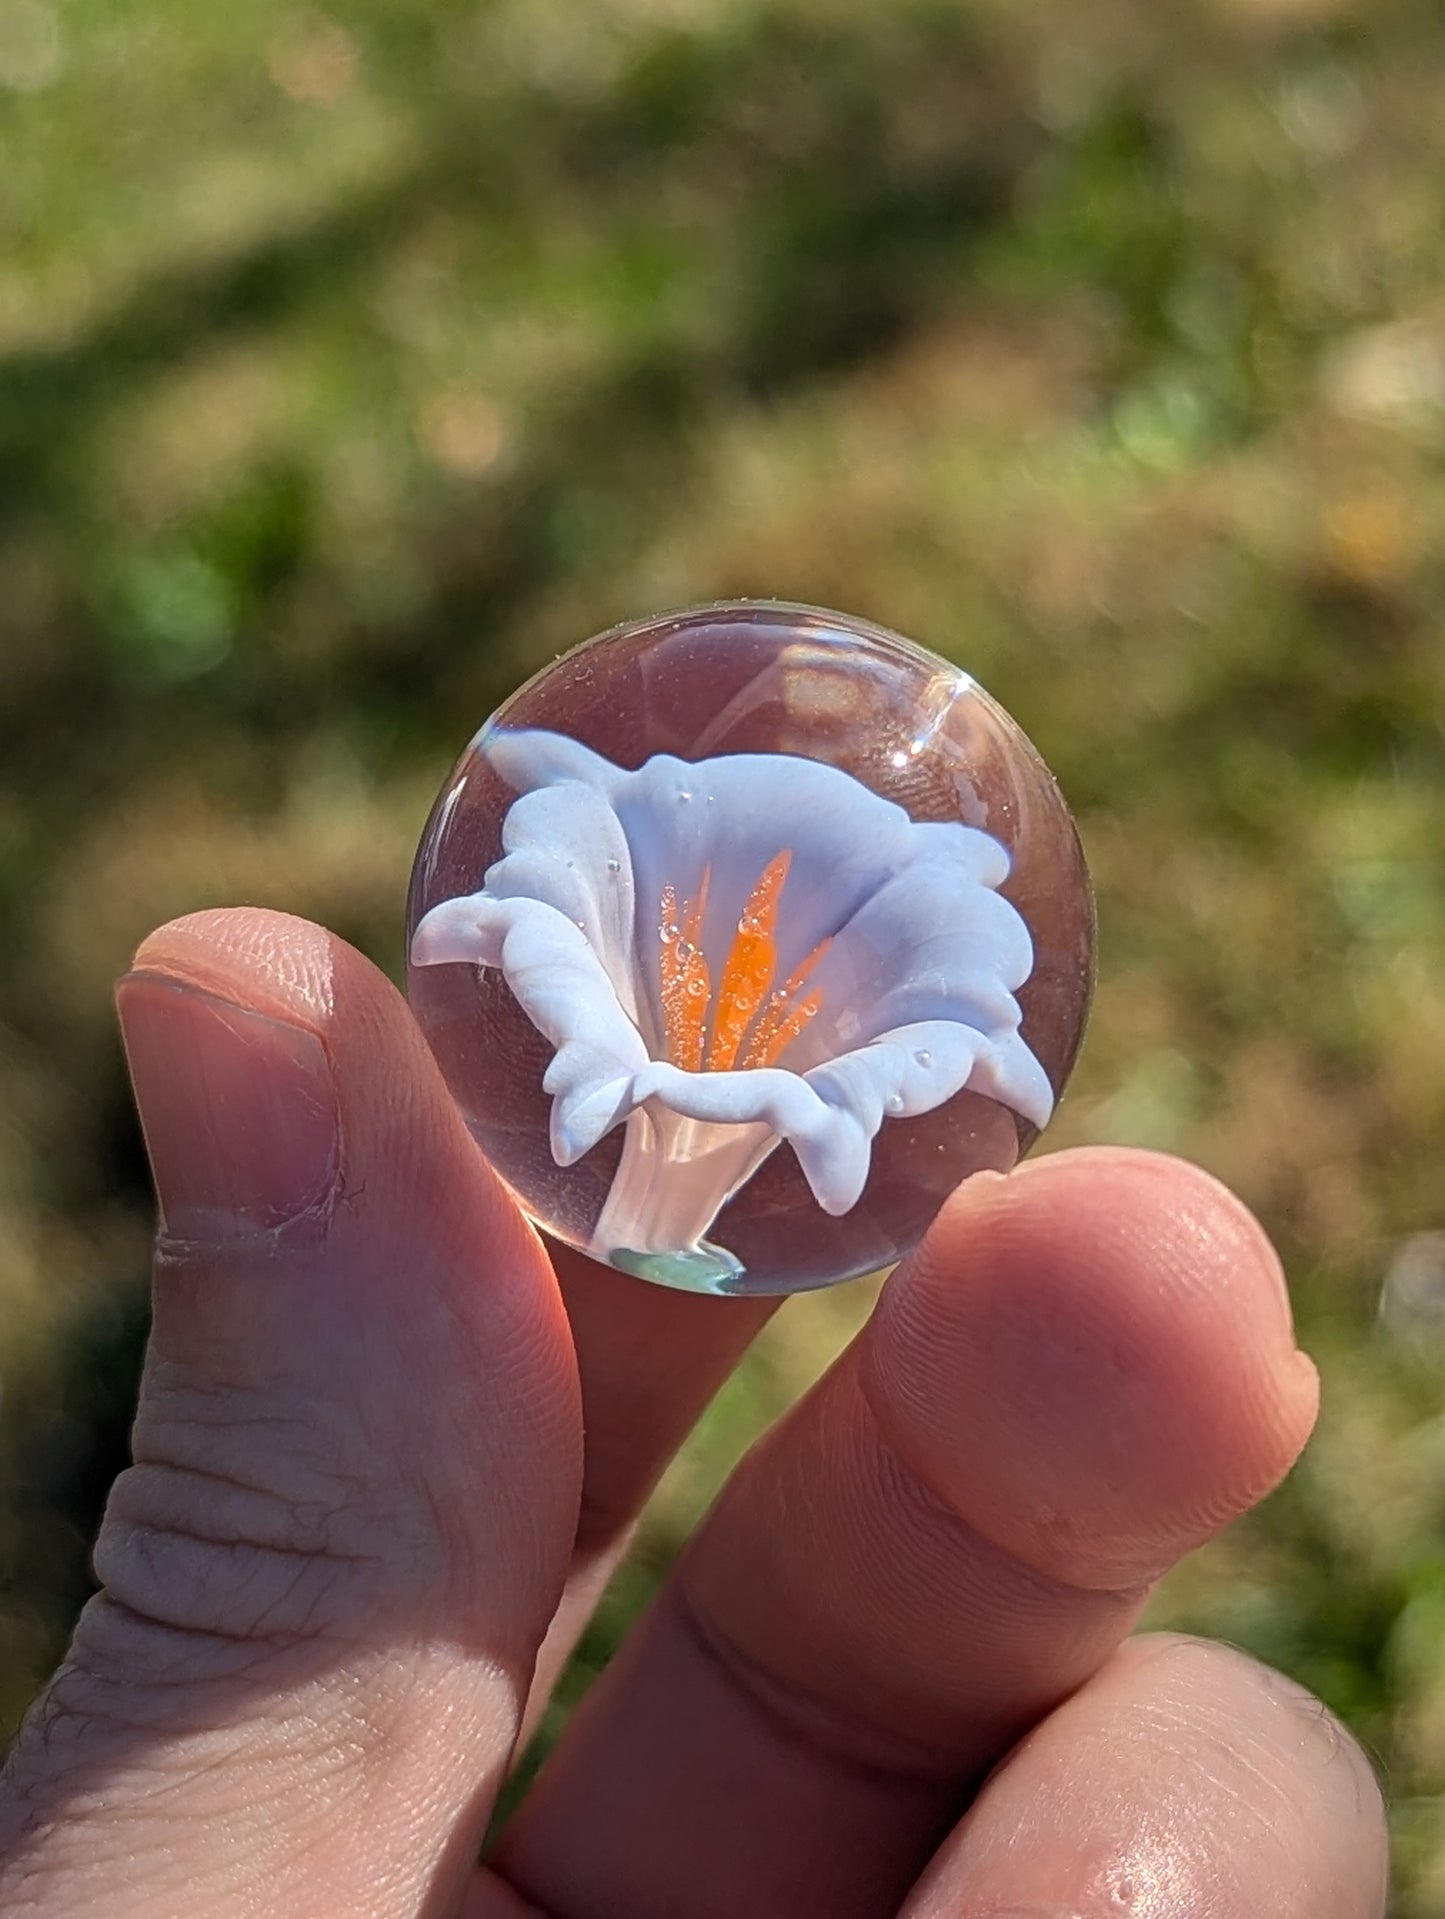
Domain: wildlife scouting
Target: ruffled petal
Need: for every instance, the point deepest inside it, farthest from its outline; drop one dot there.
(862, 873)
(562, 985)
(831, 1114)
(565, 847)
(557, 914)
(528, 757)
(733, 816)
(931, 944)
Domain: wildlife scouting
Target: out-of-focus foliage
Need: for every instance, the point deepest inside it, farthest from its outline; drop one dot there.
(353, 362)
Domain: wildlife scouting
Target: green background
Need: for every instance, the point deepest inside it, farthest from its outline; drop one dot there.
(353, 363)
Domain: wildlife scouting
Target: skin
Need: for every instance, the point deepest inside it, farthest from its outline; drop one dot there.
(387, 1452)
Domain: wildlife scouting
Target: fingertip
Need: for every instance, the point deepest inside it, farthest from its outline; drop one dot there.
(292, 970)
(1186, 1768)
(407, 1158)
(1094, 1361)
(1150, 1192)
(274, 963)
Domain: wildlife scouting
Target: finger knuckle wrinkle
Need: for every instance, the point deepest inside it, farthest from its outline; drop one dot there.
(201, 1553)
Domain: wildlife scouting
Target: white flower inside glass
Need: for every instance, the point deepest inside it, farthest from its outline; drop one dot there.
(742, 935)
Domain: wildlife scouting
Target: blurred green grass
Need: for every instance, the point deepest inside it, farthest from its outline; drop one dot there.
(354, 362)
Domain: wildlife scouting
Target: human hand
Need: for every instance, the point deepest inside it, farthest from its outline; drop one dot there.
(362, 1500)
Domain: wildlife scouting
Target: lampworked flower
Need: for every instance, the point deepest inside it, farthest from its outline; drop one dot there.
(733, 952)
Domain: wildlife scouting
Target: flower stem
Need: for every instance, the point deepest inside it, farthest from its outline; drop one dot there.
(674, 1177)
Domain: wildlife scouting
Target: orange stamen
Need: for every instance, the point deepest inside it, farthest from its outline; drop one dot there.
(750, 966)
(686, 983)
(785, 1015)
(744, 1002)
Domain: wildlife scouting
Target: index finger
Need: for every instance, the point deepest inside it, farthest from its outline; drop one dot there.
(1087, 1369)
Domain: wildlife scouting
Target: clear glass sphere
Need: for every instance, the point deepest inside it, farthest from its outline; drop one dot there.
(742, 935)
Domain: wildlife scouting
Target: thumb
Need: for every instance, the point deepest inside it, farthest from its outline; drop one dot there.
(357, 1458)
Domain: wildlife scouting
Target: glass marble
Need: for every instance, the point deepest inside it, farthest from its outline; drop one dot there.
(742, 935)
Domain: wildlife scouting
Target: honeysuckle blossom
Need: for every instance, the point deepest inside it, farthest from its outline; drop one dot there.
(730, 953)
